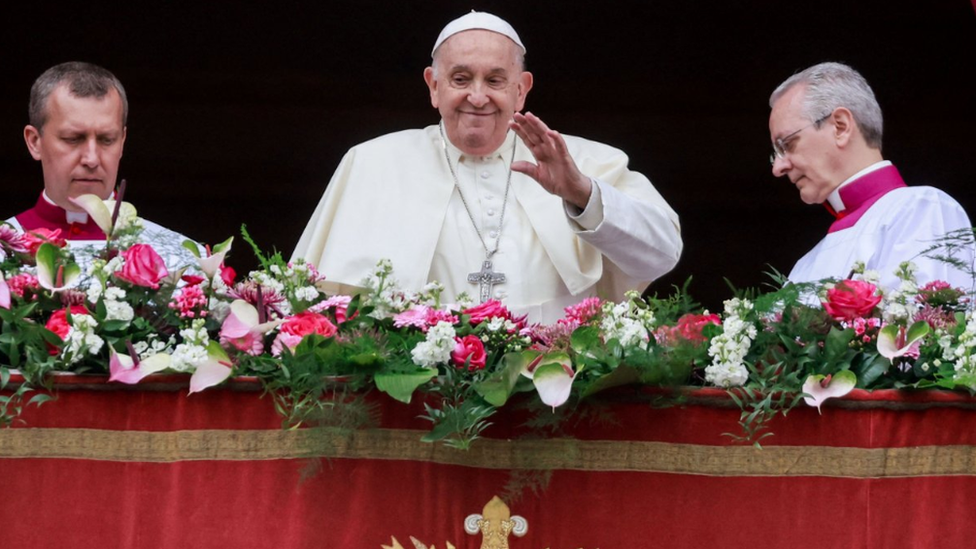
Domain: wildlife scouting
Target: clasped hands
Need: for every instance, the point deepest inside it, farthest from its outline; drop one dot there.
(554, 169)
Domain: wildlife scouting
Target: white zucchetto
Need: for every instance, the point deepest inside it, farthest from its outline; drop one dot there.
(478, 20)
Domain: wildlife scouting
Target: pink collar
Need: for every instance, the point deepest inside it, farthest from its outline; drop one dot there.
(859, 195)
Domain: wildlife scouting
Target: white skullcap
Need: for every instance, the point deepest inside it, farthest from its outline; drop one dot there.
(477, 20)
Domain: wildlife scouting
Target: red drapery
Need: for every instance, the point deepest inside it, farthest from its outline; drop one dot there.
(149, 467)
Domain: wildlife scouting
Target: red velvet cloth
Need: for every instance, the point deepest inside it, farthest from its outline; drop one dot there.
(56, 502)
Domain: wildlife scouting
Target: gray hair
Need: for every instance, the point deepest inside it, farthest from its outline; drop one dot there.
(833, 85)
(81, 79)
(519, 59)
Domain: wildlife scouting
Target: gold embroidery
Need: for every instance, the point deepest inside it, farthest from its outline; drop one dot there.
(582, 455)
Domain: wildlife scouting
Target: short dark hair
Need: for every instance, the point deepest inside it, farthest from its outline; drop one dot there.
(82, 80)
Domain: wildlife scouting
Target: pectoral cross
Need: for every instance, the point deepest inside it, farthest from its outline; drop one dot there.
(486, 278)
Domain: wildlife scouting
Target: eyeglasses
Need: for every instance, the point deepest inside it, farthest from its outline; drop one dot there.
(779, 145)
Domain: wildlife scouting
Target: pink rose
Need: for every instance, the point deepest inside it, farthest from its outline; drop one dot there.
(143, 267)
(290, 333)
(690, 326)
(35, 237)
(4, 293)
(851, 299)
(469, 350)
(489, 309)
(306, 322)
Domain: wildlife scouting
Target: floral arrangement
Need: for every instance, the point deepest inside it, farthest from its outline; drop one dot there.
(128, 315)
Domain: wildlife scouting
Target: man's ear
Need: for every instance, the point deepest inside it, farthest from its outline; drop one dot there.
(524, 85)
(844, 125)
(32, 136)
(431, 85)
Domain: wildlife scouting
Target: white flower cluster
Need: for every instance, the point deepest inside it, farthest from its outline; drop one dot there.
(728, 349)
(81, 339)
(115, 306)
(436, 349)
(152, 346)
(193, 351)
(627, 323)
(383, 291)
(965, 353)
(897, 306)
(101, 271)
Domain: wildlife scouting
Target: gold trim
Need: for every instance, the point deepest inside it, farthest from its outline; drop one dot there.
(581, 455)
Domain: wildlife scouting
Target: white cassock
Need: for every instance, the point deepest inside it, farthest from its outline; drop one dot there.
(897, 227)
(394, 198)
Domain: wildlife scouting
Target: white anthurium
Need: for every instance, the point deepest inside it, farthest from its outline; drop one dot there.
(210, 265)
(894, 341)
(212, 371)
(819, 388)
(122, 368)
(553, 375)
(53, 275)
(101, 210)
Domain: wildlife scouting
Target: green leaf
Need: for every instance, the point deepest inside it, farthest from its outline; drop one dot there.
(497, 388)
(401, 385)
(584, 339)
(193, 247)
(837, 343)
(870, 370)
(622, 375)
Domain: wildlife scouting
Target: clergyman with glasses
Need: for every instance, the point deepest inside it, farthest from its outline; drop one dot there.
(826, 129)
(490, 202)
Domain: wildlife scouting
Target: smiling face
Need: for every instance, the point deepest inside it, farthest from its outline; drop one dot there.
(79, 146)
(477, 86)
(812, 160)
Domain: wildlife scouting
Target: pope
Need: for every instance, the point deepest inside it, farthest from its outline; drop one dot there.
(491, 202)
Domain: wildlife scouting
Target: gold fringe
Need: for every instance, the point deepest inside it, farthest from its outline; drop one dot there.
(566, 454)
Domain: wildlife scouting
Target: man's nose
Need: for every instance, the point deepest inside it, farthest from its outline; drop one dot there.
(477, 96)
(780, 165)
(89, 154)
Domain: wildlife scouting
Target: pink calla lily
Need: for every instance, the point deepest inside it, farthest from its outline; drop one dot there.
(4, 292)
(819, 388)
(243, 330)
(124, 370)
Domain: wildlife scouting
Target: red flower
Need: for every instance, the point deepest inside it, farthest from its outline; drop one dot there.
(143, 266)
(851, 299)
(469, 350)
(227, 274)
(58, 323)
(35, 237)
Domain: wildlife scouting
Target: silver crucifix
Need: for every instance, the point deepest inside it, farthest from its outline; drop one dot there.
(486, 278)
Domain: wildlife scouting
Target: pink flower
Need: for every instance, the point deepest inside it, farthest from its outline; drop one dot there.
(851, 299)
(296, 327)
(11, 239)
(227, 275)
(469, 351)
(414, 316)
(582, 312)
(35, 237)
(492, 309)
(688, 328)
(341, 304)
(190, 302)
(21, 283)
(142, 267)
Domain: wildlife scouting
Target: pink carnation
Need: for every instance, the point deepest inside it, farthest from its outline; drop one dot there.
(296, 327)
(22, 283)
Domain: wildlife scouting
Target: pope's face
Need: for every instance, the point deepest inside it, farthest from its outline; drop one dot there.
(479, 85)
(79, 146)
(812, 158)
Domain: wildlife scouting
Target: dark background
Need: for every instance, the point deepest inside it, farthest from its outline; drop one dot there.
(240, 114)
